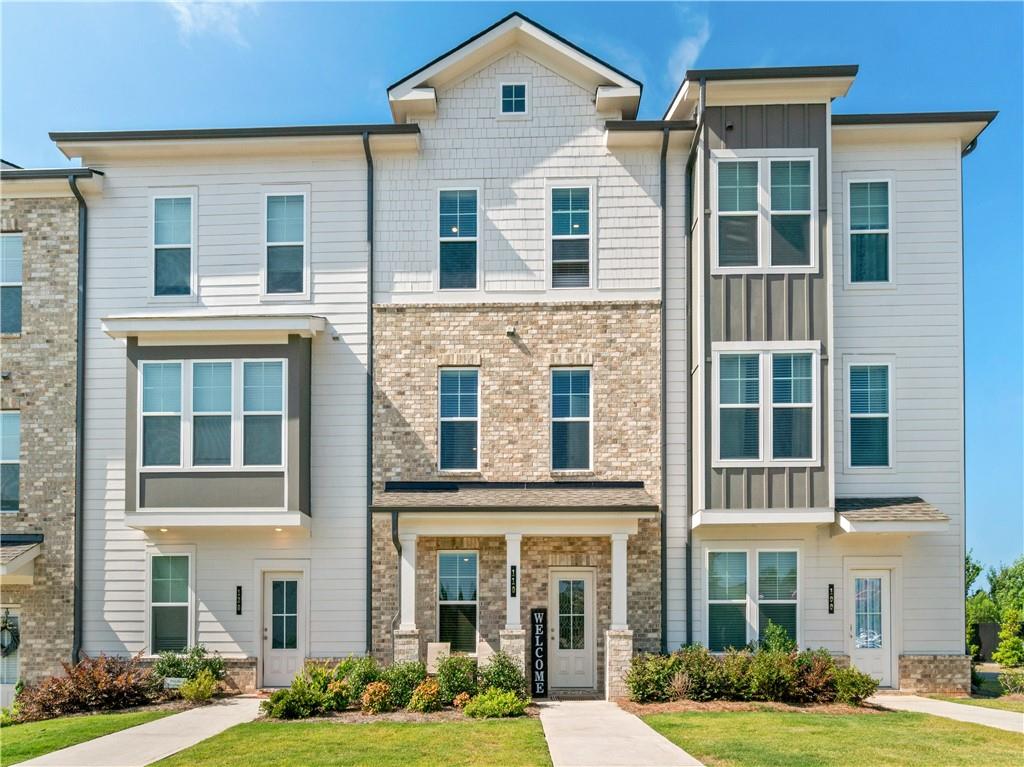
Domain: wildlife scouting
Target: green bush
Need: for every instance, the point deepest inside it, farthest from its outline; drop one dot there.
(853, 686)
(339, 695)
(189, 664)
(1010, 653)
(704, 675)
(815, 677)
(376, 698)
(455, 674)
(403, 678)
(300, 701)
(776, 639)
(1012, 681)
(772, 676)
(200, 689)
(494, 703)
(426, 697)
(733, 678)
(653, 677)
(502, 673)
(358, 672)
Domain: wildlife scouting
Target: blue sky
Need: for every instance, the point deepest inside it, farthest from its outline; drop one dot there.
(176, 65)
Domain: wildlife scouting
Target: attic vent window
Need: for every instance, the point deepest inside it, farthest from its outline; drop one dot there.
(513, 98)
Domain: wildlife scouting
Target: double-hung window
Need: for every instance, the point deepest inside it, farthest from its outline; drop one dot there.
(286, 244)
(869, 399)
(10, 459)
(513, 98)
(11, 257)
(459, 410)
(262, 412)
(161, 413)
(738, 221)
(457, 230)
(870, 229)
(170, 602)
(211, 413)
(172, 246)
(739, 407)
(457, 599)
(570, 237)
(570, 419)
(727, 600)
(739, 610)
(777, 591)
(792, 406)
(791, 213)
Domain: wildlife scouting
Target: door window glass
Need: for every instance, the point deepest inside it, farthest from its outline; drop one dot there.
(284, 615)
(867, 613)
(571, 615)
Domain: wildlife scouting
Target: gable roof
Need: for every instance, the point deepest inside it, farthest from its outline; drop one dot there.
(415, 94)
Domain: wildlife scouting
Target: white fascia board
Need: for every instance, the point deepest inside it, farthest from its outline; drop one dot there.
(419, 102)
(490, 523)
(878, 526)
(21, 565)
(34, 188)
(162, 330)
(812, 516)
(220, 518)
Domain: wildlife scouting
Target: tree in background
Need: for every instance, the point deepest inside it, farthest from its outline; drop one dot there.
(1002, 603)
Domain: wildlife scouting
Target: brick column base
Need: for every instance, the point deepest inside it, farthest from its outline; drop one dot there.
(513, 643)
(618, 653)
(935, 673)
(407, 645)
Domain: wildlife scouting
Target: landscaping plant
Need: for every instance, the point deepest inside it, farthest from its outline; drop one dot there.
(358, 672)
(461, 700)
(376, 698)
(300, 701)
(402, 679)
(200, 689)
(1012, 681)
(853, 686)
(1010, 653)
(502, 673)
(426, 697)
(455, 674)
(189, 664)
(773, 676)
(494, 703)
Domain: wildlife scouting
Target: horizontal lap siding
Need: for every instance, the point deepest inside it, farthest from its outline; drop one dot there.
(229, 253)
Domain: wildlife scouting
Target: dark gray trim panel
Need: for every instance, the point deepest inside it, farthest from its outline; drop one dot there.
(212, 489)
(910, 118)
(20, 539)
(773, 73)
(641, 126)
(285, 131)
(27, 174)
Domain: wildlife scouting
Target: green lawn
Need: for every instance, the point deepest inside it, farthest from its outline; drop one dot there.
(381, 744)
(783, 739)
(1005, 704)
(19, 742)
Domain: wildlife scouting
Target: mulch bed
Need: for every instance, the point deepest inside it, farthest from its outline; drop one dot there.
(693, 706)
(358, 717)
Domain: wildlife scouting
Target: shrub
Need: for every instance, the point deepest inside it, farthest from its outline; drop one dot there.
(772, 676)
(1010, 653)
(403, 678)
(1012, 681)
(776, 639)
(460, 700)
(493, 703)
(200, 689)
(103, 683)
(733, 678)
(815, 677)
(853, 686)
(455, 674)
(300, 701)
(502, 673)
(703, 672)
(189, 664)
(339, 695)
(358, 672)
(426, 697)
(376, 698)
(651, 677)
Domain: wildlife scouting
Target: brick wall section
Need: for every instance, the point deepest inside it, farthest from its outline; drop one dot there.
(618, 340)
(41, 362)
(935, 673)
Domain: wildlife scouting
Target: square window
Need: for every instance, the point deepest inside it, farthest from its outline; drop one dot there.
(513, 98)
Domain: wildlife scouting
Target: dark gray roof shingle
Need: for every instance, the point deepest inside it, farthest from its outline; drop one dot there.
(901, 509)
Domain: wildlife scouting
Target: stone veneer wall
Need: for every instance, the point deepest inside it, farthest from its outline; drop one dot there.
(935, 673)
(41, 362)
(619, 341)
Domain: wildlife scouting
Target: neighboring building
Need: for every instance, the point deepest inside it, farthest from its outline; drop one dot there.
(39, 253)
(373, 388)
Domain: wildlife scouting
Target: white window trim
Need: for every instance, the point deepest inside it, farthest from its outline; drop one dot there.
(756, 593)
(15, 462)
(229, 413)
(21, 282)
(175, 194)
(764, 159)
(707, 591)
(437, 592)
(473, 186)
(185, 455)
(765, 350)
(866, 178)
(859, 360)
(164, 550)
(479, 414)
(549, 187)
(511, 79)
(282, 191)
(576, 419)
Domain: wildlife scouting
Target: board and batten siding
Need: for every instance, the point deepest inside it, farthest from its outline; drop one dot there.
(512, 162)
(229, 200)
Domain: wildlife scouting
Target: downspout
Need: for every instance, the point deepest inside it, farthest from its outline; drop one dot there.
(369, 393)
(83, 229)
(664, 369)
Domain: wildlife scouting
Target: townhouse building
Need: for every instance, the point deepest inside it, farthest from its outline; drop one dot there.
(519, 362)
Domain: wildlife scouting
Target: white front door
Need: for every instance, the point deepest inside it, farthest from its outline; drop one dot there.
(284, 638)
(571, 637)
(870, 624)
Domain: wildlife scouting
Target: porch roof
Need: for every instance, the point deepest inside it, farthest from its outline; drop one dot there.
(905, 514)
(515, 496)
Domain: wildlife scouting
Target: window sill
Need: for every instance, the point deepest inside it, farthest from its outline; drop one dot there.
(298, 298)
(10, 336)
(573, 473)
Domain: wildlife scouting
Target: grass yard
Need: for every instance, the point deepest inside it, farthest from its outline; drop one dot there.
(19, 742)
(382, 744)
(783, 739)
(1005, 704)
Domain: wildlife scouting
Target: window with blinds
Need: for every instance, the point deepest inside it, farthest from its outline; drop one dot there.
(570, 237)
(10, 460)
(169, 598)
(737, 213)
(792, 406)
(570, 419)
(739, 407)
(457, 230)
(457, 599)
(11, 262)
(777, 591)
(869, 399)
(286, 243)
(172, 246)
(727, 600)
(459, 410)
(791, 213)
(870, 230)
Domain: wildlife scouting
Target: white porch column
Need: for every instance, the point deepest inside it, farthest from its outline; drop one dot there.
(512, 613)
(620, 621)
(408, 595)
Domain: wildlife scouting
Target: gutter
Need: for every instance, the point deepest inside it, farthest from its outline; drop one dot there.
(83, 228)
(663, 519)
(369, 397)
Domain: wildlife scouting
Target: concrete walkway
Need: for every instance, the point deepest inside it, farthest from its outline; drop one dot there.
(962, 712)
(153, 741)
(592, 733)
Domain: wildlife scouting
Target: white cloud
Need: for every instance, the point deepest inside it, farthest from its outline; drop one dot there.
(688, 49)
(216, 18)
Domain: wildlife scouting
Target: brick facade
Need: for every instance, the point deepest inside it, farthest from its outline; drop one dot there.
(41, 363)
(936, 673)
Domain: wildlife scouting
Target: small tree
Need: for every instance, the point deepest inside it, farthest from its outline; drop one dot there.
(1010, 652)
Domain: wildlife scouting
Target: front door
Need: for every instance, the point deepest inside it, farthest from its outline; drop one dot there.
(284, 638)
(871, 624)
(571, 636)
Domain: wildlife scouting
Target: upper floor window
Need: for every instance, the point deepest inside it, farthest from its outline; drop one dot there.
(570, 237)
(10, 460)
(459, 420)
(211, 413)
(791, 212)
(172, 246)
(286, 254)
(739, 406)
(870, 426)
(262, 412)
(161, 414)
(870, 230)
(457, 232)
(792, 406)
(11, 256)
(570, 419)
(737, 214)
(513, 98)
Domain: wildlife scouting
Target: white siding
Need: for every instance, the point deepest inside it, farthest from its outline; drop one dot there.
(229, 253)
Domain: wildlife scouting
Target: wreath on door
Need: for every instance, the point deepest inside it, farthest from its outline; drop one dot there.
(10, 636)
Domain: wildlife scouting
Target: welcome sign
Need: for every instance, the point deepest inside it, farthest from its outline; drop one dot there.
(539, 652)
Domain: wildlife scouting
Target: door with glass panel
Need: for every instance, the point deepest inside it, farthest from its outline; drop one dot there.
(284, 637)
(870, 624)
(571, 637)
